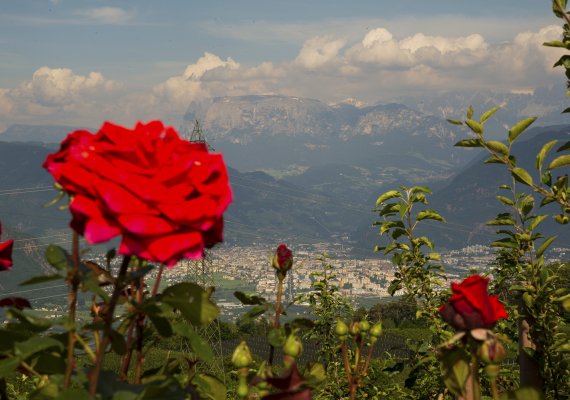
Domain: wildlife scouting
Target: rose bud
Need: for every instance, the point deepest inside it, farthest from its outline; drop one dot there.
(364, 326)
(283, 259)
(354, 329)
(341, 329)
(376, 330)
(293, 346)
(241, 358)
(492, 351)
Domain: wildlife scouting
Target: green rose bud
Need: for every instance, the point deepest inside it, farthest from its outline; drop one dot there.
(376, 330)
(341, 328)
(241, 358)
(492, 351)
(364, 326)
(293, 346)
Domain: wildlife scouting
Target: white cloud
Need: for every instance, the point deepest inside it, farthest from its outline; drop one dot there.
(106, 15)
(319, 51)
(57, 92)
(378, 66)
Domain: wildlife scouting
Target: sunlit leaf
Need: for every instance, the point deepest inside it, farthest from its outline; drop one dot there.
(521, 175)
(487, 114)
(517, 129)
(560, 161)
(474, 126)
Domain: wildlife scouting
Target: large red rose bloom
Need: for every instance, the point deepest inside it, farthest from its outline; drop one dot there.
(471, 307)
(164, 195)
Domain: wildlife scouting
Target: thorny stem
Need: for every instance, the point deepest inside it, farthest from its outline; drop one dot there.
(73, 281)
(94, 377)
(128, 355)
(280, 277)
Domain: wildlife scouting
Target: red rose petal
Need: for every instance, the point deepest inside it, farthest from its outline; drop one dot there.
(6, 255)
(145, 225)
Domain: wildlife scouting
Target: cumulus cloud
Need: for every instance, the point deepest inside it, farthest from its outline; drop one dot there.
(377, 67)
(56, 91)
(319, 51)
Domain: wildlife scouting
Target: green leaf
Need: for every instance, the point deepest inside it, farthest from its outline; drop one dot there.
(488, 114)
(543, 152)
(519, 128)
(199, 345)
(521, 175)
(161, 324)
(497, 147)
(505, 200)
(455, 121)
(249, 299)
(58, 258)
(193, 302)
(536, 221)
(8, 365)
(561, 219)
(527, 204)
(507, 243)
(388, 195)
(544, 246)
(474, 126)
(556, 10)
(470, 112)
(554, 43)
(277, 337)
(41, 279)
(469, 143)
(493, 160)
(35, 345)
(560, 161)
(501, 221)
(209, 387)
(455, 370)
(420, 189)
(75, 394)
(429, 214)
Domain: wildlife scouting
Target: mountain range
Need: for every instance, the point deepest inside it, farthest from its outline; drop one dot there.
(301, 170)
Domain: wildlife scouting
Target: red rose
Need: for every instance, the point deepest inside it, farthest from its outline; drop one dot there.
(6, 253)
(163, 194)
(283, 258)
(470, 306)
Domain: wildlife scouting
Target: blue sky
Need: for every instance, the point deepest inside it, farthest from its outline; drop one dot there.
(78, 62)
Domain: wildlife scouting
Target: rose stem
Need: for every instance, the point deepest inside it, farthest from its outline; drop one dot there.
(280, 277)
(347, 367)
(124, 372)
(73, 281)
(94, 378)
(475, 375)
(140, 332)
(368, 358)
(127, 357)
(494, 389)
